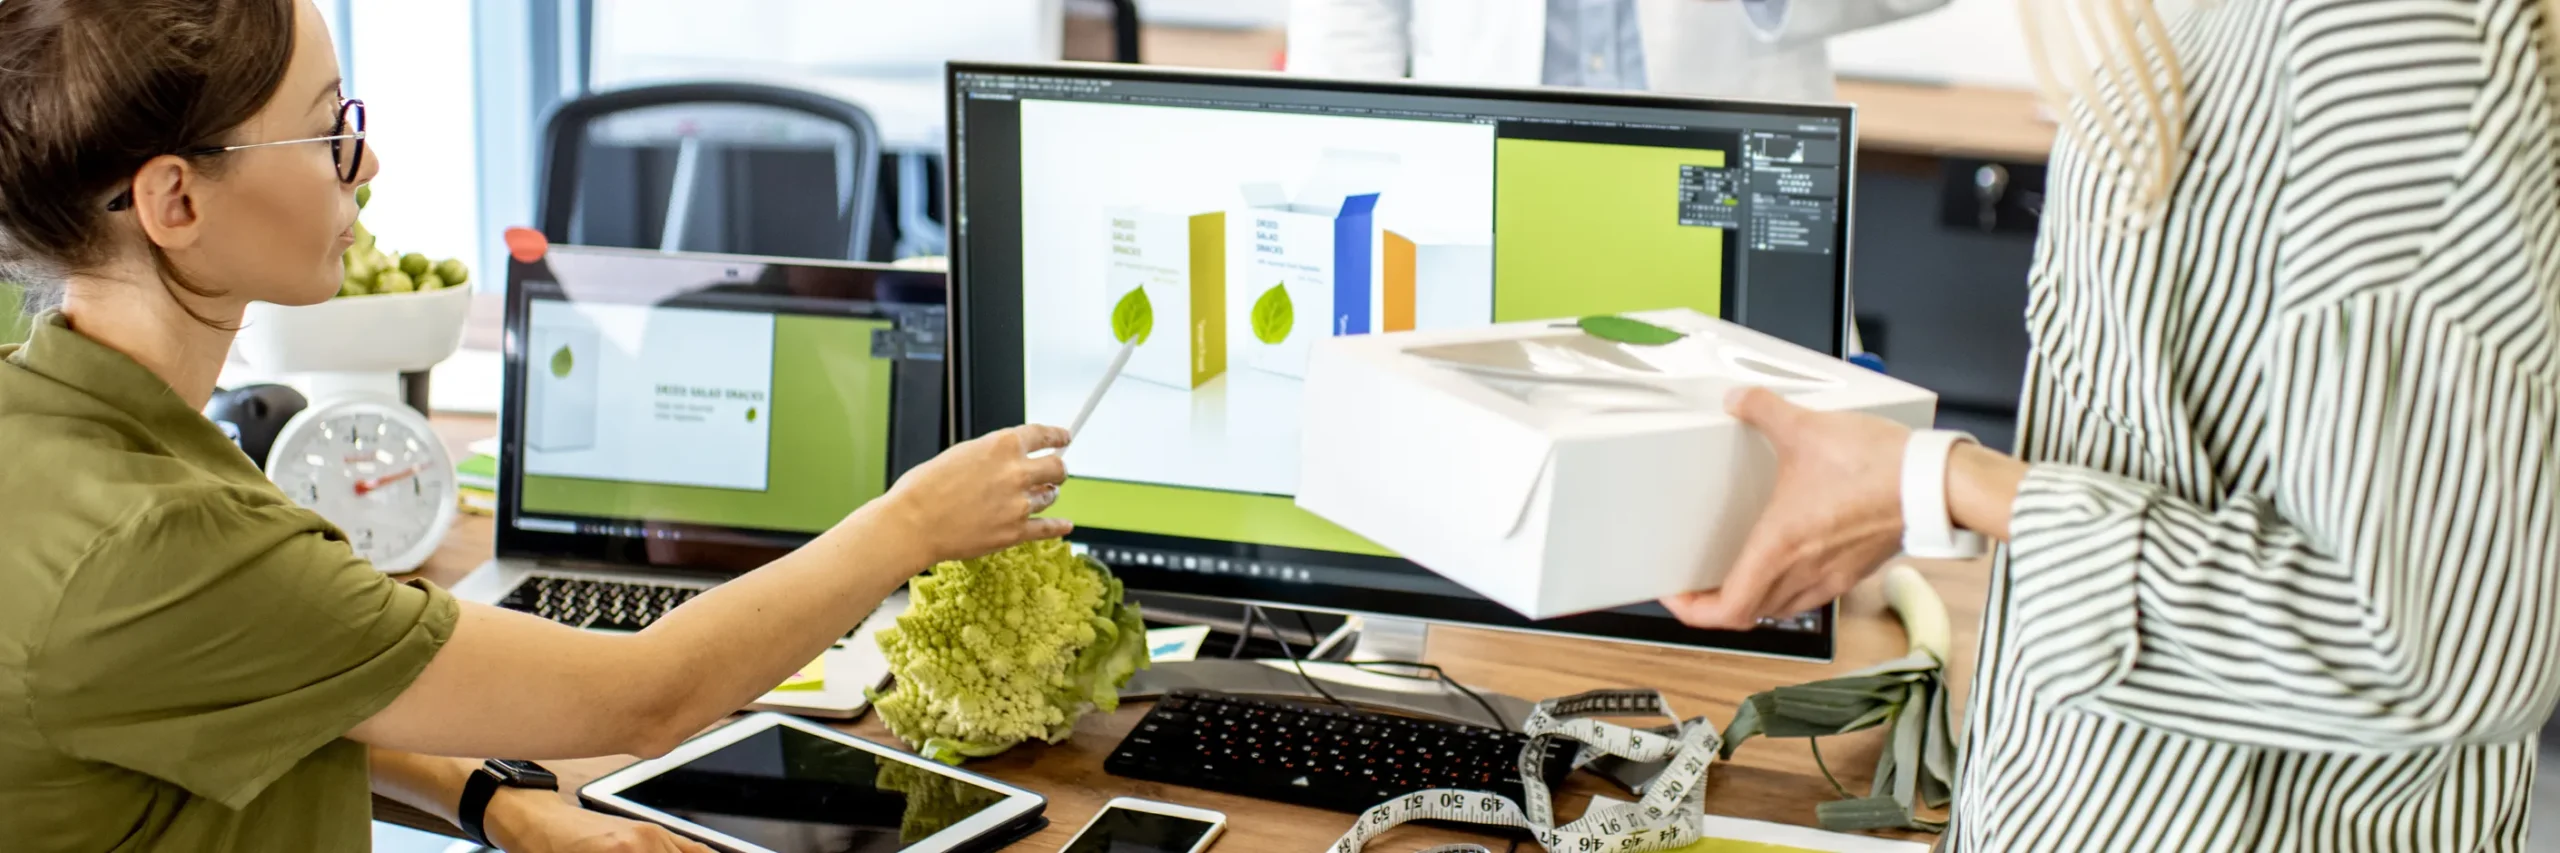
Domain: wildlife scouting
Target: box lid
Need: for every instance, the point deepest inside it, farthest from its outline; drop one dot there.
(1551, 383)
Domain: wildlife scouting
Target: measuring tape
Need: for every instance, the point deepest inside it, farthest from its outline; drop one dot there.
(1668, 816)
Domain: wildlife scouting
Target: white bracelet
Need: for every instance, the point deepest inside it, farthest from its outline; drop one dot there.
(1928, 529)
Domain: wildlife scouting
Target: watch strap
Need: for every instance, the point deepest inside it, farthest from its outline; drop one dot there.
(1928, 528)
(484, 783)
(474, 808)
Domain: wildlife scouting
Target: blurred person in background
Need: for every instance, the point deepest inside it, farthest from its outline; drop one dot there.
(1758, 49)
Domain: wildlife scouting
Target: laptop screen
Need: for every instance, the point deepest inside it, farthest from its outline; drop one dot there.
(708, 411)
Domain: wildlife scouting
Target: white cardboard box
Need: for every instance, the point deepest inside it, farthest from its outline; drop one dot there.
(1556, 472)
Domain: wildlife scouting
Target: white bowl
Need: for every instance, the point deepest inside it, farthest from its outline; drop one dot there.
(382, 333)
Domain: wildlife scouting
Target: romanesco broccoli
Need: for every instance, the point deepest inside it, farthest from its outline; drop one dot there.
(1005, 648)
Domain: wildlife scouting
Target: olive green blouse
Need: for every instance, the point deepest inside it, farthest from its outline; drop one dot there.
(181, 648)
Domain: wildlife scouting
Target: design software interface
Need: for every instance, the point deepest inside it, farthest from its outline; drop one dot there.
(1236, 222)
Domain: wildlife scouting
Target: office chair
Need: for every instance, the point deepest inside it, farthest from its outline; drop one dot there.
(1125, 26)
(712, 167)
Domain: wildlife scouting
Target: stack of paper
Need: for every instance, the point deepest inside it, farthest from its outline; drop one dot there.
(477, 475)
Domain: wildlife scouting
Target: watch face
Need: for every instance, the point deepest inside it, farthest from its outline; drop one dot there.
(524, 774)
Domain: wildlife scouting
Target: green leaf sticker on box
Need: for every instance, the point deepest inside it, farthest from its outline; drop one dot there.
(561, 361)
(1133, 318)
(1609, 327)
(1274, 316)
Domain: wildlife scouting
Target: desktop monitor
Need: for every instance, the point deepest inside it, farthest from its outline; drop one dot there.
(708, 412)
(1244, 214)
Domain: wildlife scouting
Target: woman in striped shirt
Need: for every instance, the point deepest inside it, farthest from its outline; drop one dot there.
(2283, 563)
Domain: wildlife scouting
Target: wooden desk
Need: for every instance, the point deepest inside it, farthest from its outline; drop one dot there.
(1893, 117)
(1767, 780)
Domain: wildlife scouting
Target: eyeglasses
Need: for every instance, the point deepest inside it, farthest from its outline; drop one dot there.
(346, 149)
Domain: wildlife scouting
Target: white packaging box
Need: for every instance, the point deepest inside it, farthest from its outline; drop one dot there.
(1180, 260)
(561, 373)
(1555, 472)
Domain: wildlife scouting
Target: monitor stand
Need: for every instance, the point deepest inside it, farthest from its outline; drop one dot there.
(1384, 688)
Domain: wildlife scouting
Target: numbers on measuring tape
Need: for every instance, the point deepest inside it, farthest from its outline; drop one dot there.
(1666, 817)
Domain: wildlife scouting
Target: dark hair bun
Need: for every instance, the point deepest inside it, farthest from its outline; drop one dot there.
(90, 90)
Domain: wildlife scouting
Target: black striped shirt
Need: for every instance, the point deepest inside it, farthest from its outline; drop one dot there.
(2286, 569)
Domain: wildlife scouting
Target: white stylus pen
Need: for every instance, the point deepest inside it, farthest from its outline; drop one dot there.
(1094, 400)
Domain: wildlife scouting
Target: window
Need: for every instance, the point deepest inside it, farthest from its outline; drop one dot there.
(413, 63)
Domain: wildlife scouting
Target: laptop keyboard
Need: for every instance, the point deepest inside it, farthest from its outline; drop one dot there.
(600, 604)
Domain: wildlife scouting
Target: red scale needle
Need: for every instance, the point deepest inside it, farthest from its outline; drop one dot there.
(364, 487)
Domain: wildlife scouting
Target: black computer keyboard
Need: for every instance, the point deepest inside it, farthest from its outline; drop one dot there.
(602, 604)
(1318, 756)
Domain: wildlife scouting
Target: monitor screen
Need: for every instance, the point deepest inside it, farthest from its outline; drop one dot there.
(1237, 218)
(713, 405)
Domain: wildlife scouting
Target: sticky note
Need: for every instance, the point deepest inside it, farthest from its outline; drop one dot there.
(1737, 835)
(1170, 645)
(811, 677)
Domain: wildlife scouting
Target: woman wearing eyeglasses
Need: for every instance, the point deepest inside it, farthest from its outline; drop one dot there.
(190, 662)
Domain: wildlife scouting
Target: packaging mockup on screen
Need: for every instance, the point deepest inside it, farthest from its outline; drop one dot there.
(1179, 262)
(562, 396)
(1556, 472)
(1320, 250)
(1433, 281)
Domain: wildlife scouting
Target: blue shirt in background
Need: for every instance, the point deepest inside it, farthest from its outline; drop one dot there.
(1595, 44)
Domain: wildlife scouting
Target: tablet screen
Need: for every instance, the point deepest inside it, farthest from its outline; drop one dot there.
(793, 792)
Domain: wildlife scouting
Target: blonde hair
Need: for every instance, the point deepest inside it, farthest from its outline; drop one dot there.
(2112, 60)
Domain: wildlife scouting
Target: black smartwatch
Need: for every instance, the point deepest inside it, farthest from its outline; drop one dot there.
(485, 782)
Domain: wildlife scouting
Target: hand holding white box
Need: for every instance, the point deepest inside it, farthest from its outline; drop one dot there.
(1555, 472)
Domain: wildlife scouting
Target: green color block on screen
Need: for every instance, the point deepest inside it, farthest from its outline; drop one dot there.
(826, 388)
(1204, 514)
(1589, 228)
(562, 361)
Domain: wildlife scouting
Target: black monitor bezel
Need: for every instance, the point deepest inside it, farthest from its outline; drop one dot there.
(706, 556)
(1815, 645)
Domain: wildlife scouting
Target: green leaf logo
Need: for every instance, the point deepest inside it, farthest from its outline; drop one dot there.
(1610, 327)
(561, 362)
(1273, 315)
(1133, 318)
(751, 414)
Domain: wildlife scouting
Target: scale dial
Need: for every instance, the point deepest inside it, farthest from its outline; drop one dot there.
(376, 470)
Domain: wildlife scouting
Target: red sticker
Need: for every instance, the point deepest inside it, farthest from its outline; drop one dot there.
(527, 245)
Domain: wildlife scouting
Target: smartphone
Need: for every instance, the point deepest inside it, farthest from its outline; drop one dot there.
(1131, 825)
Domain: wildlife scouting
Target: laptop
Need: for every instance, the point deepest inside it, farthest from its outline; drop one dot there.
(670, 421)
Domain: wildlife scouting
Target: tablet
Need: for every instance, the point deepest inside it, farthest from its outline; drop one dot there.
(769, 783)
